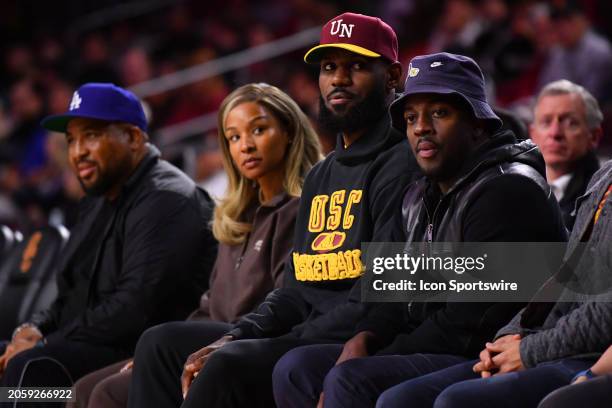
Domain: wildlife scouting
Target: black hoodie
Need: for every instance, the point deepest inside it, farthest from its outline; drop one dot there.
(348, 198)
(501, 196)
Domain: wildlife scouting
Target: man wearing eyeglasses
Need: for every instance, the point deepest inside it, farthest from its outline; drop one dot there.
(567, 129)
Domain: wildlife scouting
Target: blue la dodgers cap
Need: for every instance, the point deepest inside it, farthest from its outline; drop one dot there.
(449, 74)
(102, 101)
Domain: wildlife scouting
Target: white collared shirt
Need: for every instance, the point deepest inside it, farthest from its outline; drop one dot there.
(560, 184)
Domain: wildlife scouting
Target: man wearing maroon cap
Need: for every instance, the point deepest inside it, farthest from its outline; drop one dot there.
(475, 175)
(360, 34)
(347, 199)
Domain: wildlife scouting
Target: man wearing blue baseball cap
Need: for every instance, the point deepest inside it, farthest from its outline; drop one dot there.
(475, 177)
(139, 255)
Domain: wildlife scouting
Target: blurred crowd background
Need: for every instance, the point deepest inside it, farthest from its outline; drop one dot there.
(49, 48)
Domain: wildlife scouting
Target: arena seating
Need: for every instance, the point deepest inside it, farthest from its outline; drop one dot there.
(27, 281)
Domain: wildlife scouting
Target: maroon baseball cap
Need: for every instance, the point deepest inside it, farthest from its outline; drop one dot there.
(364, 35)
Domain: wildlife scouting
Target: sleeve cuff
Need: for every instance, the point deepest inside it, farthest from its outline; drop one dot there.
(503, 333)
(53, 337)
(525, 350)
(584, 373)
(237, 333)
(384, 337)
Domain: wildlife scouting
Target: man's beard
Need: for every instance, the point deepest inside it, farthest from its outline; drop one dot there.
(98, 189)
(360, 116)
(107, 180)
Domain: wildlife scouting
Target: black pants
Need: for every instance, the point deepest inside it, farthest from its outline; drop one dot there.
(594, 393)
(58, 364)
(237, 375)
(160, 355)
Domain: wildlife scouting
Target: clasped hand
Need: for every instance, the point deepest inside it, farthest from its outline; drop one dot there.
(500, 357)
(24, 340)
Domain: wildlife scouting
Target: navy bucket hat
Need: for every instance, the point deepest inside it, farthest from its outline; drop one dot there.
(448, 74)
(103, 101)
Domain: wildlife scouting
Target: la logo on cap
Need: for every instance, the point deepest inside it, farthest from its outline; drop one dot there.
(75, 103)
(412, 71)
(345, 30)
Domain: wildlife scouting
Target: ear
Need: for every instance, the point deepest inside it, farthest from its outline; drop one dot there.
(289, 139)
(536, 135)
(394, 75)
(532, 131)
(136, 137)
(596, 135)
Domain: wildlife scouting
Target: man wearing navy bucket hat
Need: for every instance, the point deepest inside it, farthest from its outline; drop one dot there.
(139, 255)
(475, 176)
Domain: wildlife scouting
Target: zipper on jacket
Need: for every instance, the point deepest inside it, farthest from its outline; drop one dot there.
(429, 232)
(430, 220)
(238, 262)
(245, 245)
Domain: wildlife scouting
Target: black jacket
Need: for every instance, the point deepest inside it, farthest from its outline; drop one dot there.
(348, 198)
(483, 205)
(151, 264)
(584, 170)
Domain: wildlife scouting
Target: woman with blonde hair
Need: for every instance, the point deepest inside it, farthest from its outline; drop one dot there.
(297, 141)
(268, 146)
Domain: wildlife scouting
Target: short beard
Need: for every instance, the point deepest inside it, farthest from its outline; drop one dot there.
(360, 116)
(108, 180)
(98, 189)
